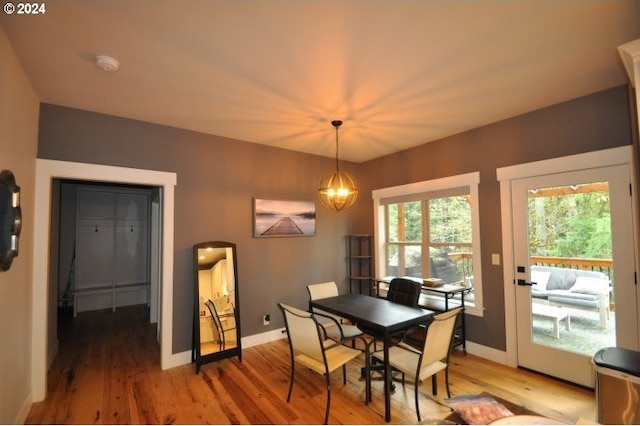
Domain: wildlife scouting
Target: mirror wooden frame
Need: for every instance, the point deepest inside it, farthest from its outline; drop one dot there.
(207, 256)
(10, 219)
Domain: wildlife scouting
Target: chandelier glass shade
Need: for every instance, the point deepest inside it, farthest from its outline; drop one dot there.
(337, 190)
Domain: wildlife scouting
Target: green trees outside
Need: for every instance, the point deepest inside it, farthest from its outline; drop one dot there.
(574, 225)
(446, 222)
(449, 220)
(566, 222)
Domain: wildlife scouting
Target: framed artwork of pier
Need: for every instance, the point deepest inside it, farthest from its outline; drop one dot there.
(283, 218)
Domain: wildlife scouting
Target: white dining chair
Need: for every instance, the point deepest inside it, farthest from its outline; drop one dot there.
(308, 348)
(339, 330)
(431, 359)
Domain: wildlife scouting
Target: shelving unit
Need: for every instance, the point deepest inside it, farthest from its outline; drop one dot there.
(360, 263)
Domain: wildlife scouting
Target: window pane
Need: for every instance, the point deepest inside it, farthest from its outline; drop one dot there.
(429, 233)
(450, 220)
(413, 261)
(404, 260)
(450, 250)
(392, 256)
(452, 263)
(565, 224)
(392, 228)
(413, 221)
(442, 266)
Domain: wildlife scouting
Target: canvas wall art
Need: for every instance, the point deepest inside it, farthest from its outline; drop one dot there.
(283, 218)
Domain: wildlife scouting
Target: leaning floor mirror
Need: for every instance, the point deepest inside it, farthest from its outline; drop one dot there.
(216, 324)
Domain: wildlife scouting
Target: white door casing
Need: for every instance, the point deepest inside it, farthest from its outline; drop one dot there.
(571, 366)
(46, 171)
(592, 160)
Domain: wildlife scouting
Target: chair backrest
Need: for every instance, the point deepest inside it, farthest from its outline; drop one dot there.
(220, 303)
(437, 343)
(222, 306)
(303, 332)
(404, 291)
(322, 290)
(214, 316)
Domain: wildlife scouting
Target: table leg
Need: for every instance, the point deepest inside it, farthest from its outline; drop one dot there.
(367, 363)
(387, 382)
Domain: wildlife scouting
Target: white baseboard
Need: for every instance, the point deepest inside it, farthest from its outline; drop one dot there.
(487, 353)
(22, 414)
(183, 358)
(176, 360)
(262, 338)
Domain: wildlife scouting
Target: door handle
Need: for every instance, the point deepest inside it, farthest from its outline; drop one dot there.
(524, 283)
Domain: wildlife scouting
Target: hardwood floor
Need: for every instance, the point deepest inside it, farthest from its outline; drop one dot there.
(107, 372)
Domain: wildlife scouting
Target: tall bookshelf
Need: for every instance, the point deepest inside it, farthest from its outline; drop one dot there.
(360, 263)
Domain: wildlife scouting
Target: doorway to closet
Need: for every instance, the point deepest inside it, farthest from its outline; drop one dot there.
(44, 302)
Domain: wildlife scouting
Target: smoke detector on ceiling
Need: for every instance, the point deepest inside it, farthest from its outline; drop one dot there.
(107, 63)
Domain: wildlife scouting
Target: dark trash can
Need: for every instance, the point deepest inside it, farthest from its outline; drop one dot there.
(617, 386)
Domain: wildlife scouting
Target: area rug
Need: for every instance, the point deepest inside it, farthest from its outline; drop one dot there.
(516, 409)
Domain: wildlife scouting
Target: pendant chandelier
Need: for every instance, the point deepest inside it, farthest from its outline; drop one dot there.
(337, 190)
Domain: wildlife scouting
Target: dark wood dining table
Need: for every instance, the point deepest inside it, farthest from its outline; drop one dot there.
(380, 317)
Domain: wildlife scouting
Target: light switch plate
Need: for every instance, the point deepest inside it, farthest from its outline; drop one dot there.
(495, 259)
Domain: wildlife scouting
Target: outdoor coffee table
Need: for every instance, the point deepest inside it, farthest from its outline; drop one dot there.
(554, 313)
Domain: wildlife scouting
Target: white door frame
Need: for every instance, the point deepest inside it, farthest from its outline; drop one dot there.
(156, 262)
(609, 157)
(46, 171)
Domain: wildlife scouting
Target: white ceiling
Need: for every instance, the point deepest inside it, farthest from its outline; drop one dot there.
(398, 73)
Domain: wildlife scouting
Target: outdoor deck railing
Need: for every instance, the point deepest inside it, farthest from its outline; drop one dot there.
(601, 265)
(464, 265)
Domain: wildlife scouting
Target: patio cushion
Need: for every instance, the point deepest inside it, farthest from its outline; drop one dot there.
(540, 279)
(577, 299)
(574, 288)
(564, 278)
(590, 285)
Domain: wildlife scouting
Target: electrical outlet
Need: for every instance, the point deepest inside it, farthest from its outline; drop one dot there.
(266, 319)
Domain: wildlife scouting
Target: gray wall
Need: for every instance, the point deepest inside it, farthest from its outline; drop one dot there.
(218, 177)
(595, 122)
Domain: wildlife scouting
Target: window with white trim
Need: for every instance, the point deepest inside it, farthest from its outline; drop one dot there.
(431, 229)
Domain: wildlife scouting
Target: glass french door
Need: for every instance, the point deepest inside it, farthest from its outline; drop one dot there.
(579, 220)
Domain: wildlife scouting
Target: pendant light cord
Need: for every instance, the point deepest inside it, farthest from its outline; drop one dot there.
(337, 124)
(337, 162)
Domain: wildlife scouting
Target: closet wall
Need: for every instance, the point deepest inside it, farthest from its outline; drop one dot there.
(109, 229)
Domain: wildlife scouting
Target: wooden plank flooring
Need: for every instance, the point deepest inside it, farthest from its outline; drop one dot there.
(107, 372)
